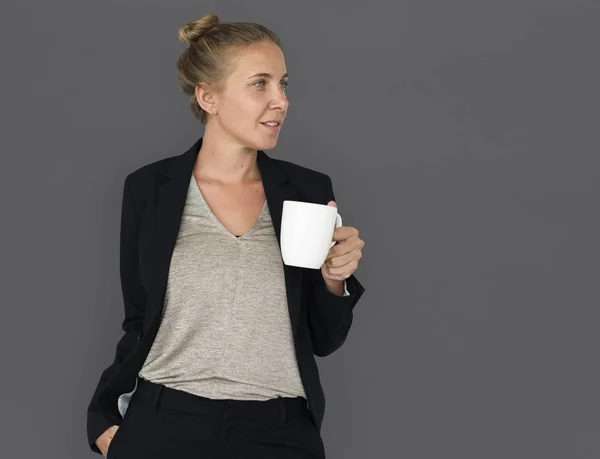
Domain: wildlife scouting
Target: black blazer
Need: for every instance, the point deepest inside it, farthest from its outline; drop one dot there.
(153, 201)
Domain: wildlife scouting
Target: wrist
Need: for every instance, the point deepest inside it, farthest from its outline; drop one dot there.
(336, 287)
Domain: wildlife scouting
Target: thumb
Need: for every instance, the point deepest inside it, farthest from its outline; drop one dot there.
(332, 204)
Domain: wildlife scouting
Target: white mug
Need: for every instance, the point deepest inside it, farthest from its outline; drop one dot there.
(307, 233)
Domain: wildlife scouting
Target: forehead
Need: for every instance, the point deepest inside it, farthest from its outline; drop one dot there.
(262, 57)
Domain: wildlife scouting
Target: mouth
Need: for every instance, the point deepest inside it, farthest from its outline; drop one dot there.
(272, 126)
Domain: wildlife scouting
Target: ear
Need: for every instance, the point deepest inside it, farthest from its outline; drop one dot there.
(206, 98)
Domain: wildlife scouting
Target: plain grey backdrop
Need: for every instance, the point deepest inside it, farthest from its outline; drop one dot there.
(462, 140)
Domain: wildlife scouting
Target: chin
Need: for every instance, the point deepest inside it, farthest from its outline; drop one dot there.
(266, 145)
(269, 146)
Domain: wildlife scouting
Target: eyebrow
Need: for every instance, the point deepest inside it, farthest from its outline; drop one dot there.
(266, 75)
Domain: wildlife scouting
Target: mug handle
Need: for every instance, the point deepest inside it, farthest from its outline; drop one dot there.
(338, 223)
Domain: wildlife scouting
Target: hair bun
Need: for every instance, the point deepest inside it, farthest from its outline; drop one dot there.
(193, 30)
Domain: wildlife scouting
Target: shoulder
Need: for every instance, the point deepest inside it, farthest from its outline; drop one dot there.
(302, 174)
(144, 180)
(299, 170)
(150, 173)
(311, 185)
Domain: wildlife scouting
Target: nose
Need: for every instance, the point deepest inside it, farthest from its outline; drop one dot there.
(280, 100)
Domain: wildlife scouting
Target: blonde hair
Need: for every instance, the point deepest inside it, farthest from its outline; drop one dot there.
(211, 49)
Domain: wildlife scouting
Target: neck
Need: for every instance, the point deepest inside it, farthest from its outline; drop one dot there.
(226, 161)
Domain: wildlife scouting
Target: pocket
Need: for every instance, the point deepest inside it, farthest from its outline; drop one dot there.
(119, 433)
(314, 441)
(111, 445)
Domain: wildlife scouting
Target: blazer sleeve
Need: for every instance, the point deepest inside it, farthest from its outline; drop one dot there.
(134, 301)
(329, 315)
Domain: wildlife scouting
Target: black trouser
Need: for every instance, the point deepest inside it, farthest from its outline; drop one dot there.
(165, 423)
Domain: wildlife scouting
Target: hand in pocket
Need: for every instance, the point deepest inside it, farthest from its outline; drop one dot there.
(104, 440)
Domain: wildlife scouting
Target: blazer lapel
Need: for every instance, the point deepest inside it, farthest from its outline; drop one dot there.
(172, 194)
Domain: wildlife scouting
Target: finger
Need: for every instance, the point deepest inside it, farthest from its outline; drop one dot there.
(345, 248)
(344, 232)
(339, 262)
(342, 272)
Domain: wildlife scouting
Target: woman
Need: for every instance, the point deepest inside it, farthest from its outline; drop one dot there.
(217, 359)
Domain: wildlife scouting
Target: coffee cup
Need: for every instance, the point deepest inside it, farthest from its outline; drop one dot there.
(307, 233)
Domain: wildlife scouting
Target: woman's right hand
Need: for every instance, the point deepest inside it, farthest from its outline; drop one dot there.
(103, 441)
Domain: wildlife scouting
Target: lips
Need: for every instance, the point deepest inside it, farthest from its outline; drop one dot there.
(275, 128)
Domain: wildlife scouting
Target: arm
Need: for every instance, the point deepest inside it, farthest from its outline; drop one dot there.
(330, 315)
(134, 301)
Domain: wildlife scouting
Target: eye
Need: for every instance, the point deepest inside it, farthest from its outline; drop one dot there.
(285, 83)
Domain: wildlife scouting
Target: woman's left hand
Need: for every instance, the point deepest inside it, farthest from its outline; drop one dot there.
(342, 259)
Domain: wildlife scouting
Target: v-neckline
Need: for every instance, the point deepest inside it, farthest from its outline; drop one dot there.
(195, 185)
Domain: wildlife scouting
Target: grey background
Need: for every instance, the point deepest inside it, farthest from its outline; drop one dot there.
(462, 140)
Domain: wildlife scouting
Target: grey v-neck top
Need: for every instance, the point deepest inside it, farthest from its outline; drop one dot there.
(225, 330)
